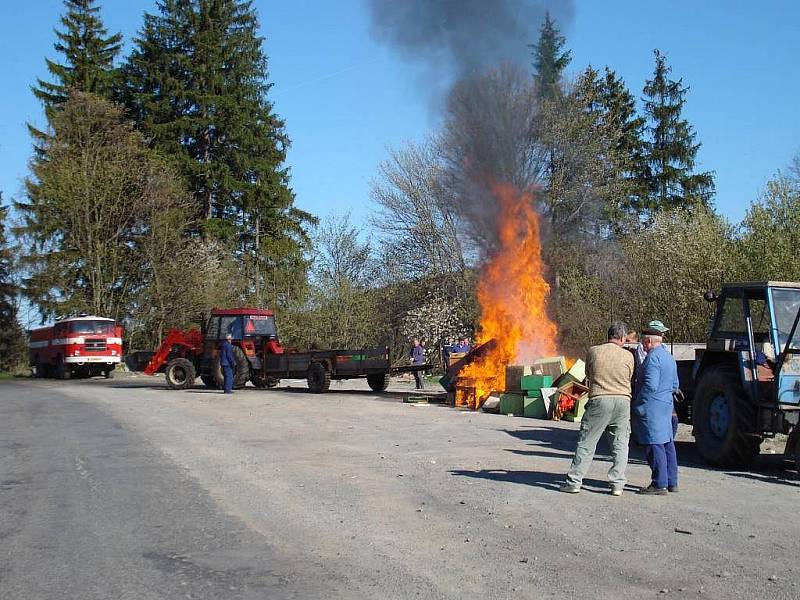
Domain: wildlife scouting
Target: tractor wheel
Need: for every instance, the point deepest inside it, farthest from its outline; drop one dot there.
(724, 418)
(241, 372)
(62, 370)
(319, 380)
(41, 370)
(180, 374)
(209, 381)
(378, 381)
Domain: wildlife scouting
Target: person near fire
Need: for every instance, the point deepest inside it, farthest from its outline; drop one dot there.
(227, 362)
(418, 358)
(653, 409)
(609, 372)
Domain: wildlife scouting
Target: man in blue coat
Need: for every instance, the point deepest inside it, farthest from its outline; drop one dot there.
(227, 362)
(652, 414)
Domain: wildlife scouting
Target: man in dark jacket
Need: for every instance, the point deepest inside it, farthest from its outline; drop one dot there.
(418, 358)
(227, 362)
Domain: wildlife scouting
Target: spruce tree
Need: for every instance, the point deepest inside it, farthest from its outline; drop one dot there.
(12, 343)
(671, 149)
(624, 129)
(197, 85)
(89, 54)
(549, 59)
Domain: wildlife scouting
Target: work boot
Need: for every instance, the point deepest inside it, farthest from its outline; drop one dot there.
(651, 490)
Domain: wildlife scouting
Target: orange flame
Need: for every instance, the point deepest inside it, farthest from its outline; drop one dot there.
(513, 295)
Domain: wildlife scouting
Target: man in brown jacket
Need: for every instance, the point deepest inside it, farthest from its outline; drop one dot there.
(609, 370)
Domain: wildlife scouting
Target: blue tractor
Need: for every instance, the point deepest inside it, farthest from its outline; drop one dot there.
(745, 384)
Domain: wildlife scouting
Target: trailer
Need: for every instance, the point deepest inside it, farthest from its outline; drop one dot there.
(260, 357)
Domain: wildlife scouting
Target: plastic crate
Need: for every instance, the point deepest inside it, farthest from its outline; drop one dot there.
(531, 383)
(512, 404)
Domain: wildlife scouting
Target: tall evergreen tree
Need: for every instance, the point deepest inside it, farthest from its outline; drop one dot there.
(671, 150)
(12, 343)
(549, 58)
(89, 54)
(197, 84)
(624, 130)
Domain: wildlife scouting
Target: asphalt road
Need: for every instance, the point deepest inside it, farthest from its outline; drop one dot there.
(123, 489)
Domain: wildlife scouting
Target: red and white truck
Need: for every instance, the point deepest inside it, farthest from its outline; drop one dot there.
(82, 346)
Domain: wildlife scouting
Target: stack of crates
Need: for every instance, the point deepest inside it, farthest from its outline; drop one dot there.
(534, 404)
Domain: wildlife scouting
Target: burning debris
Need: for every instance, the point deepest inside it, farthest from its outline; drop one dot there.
(516, 357)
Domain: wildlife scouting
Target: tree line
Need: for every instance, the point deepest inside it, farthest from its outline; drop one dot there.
(158, 189)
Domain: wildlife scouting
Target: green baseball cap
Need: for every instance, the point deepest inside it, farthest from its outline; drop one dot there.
(658, 326)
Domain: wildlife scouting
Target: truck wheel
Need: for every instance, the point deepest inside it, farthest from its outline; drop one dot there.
(378, 381)
(209, 381)
(62, 370)
(180, 374)
(724, 418)
(319, 380)
(241, 372)
(108, 373)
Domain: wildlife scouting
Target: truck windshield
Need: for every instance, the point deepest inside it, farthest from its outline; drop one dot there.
(786, 304)
(92, 327)
(259, 325)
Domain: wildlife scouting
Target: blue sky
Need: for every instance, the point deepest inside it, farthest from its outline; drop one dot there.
(346, 98)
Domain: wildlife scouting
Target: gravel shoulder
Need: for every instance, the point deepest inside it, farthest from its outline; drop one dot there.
(372, 497)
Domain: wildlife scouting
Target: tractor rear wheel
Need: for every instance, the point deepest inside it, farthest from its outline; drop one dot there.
(180, 374)
(724, 418)
(378, 381)
(319, 380)
(241, 372)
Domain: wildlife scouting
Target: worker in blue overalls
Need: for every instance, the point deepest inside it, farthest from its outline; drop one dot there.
(227, 362)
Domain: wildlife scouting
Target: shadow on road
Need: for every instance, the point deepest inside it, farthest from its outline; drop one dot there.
(542, 479)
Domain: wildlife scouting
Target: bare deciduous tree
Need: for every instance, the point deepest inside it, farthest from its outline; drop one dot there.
(416, 219)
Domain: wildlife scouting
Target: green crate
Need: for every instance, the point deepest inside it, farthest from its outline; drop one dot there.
(511, 404)
(536, 382)
(534, 407)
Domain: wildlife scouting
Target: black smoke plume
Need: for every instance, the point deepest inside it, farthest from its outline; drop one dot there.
(450, 39)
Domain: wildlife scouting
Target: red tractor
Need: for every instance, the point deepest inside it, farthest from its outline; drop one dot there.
(260, 357)
(190, 353)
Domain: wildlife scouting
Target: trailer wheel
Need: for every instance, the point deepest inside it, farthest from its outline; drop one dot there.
(378, 382)
(180, 374)
(209, 381)
(724, 418)
(319, 380)
(241, 372)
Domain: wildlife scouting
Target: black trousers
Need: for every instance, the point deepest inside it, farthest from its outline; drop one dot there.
(418, 379)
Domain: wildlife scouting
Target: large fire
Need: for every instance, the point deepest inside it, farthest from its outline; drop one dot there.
(513, 295)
